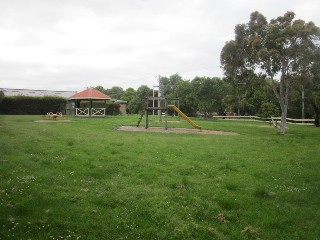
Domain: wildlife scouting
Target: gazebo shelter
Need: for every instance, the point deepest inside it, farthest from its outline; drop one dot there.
(90, 103)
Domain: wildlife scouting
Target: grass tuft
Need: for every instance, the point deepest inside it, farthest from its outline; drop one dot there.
(262, 193)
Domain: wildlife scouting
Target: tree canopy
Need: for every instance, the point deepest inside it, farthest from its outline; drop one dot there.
(115, 92)
(280, 50)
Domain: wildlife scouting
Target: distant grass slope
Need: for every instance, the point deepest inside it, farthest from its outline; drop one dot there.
(85, 180)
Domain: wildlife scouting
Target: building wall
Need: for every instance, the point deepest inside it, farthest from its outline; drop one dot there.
(70, 108)
(36, 93)
(123, 106)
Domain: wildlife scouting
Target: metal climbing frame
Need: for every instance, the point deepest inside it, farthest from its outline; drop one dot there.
(162, 106)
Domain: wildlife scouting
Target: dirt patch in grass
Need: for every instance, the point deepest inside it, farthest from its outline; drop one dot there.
(268, 126)
(173, 130)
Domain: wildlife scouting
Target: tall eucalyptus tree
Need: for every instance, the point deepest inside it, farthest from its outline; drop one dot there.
(278, 50)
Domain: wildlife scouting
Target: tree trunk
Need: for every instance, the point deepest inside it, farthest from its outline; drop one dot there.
(282, 129)
(282, 97)
(284, 110)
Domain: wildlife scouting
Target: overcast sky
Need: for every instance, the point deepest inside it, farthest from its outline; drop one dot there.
(74, 44)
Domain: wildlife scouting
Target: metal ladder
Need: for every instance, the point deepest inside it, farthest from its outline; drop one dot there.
(141, 116)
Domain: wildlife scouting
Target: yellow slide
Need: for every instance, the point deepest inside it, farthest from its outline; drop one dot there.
(173, 107)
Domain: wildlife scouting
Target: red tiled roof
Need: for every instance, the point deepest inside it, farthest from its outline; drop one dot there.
(90, 93)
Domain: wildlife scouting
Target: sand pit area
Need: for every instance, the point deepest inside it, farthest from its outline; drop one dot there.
(173, 130)
(51, 121)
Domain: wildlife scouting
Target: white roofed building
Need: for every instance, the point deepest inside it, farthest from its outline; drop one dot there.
(36, 93)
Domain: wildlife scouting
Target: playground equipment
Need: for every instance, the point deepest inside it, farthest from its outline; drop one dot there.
(54, 116)
(163, 106)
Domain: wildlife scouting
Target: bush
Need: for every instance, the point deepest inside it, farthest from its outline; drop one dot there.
(269, 109)
(113, 109)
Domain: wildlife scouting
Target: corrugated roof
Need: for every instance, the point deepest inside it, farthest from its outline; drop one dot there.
(90, 93)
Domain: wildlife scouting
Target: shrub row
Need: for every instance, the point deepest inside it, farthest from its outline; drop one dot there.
(26, 105)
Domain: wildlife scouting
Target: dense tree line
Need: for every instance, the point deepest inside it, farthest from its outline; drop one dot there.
(248, 96)
(208, 95)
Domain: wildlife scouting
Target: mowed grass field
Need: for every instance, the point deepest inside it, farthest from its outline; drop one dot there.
(85, 180)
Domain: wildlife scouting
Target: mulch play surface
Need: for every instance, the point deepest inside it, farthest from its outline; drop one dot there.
(51, 121)
(173, 130)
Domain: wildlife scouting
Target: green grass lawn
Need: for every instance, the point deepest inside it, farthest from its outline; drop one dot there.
(85, 180)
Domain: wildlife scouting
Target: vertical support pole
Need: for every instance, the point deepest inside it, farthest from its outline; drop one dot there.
(179, 108)
(153, 102)
(147, 120)
(159, 95)
(159, 111)
(166, 118)
(303, 112)
(166, 112)
(105, 107)
(90, 107)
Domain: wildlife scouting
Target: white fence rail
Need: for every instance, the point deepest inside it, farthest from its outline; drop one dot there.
(98, 111)
(82, 112)
(94, 112)
(289, 120)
